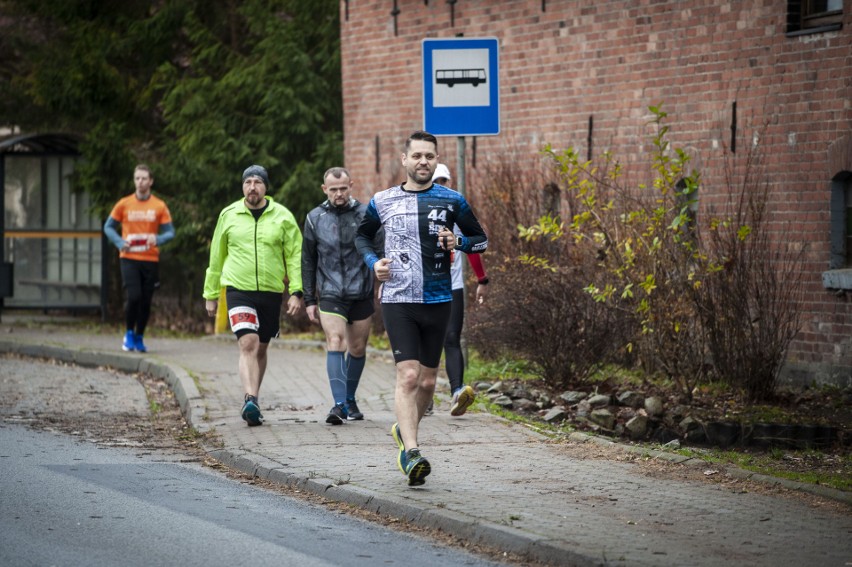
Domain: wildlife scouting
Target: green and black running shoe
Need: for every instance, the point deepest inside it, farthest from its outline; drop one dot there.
(417, 468)
(397, 436)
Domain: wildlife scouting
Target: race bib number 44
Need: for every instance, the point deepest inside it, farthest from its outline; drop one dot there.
(243, 318)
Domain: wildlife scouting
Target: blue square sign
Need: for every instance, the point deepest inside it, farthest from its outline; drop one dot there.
(461, 87)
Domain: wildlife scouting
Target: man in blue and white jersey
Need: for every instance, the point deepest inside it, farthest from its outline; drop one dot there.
(416, 293)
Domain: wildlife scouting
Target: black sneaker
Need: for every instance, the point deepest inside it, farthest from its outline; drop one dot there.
(337, 415)
(417, 468)
(352, 411)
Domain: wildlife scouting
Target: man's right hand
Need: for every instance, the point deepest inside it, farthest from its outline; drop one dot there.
(382, 269)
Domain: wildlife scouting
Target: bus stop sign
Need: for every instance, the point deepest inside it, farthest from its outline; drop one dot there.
(461, 87)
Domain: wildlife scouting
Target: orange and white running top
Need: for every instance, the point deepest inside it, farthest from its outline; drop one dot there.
(139, 220)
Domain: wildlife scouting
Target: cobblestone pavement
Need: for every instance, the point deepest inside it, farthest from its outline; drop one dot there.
(493, 482)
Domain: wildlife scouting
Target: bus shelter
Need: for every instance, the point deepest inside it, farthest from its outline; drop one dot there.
(52, 245)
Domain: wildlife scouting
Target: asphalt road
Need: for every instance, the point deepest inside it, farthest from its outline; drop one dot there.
(67, 500)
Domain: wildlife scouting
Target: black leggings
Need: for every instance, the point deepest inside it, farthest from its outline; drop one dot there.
(140, 280)
(453, 358)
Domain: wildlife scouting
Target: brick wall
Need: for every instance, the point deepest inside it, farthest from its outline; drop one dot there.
(562, 62)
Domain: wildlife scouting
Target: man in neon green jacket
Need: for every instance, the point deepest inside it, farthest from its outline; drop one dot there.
(256, 248)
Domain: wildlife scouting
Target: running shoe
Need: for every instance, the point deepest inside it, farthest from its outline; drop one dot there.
(251, 411)
(462, 400)
(336, 415)
(401, 460)
(129, 342)
(430, 410)
(137, 342)
(352, 411)
(417, 468)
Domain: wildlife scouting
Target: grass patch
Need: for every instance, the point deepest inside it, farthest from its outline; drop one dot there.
(807, 466)
(190, 434)
(155, 407)
(481, 370)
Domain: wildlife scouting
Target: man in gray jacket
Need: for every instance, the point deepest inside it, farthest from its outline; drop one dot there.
(338, 288)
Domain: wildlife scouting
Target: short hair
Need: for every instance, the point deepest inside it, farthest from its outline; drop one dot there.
(336, 172)
(423, 136)
(143, 167)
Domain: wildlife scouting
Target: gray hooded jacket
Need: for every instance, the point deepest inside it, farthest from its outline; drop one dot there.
(332, 268)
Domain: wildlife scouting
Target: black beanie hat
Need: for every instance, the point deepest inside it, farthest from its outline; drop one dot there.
(257, 171)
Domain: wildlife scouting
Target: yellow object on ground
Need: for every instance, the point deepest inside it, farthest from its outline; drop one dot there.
(222, 325)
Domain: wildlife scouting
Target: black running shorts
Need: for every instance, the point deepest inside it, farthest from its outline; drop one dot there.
(257, 312)
(349, 310)
(416, 330)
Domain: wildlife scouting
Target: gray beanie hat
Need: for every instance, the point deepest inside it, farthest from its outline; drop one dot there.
(256, 171)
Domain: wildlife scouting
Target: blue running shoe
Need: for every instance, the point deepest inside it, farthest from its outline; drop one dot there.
(129, 342)
(140, 346)
(417, 468)
(251, 411)
(401, 458)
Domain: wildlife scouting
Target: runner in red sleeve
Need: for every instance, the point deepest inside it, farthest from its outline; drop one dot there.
(463, 395)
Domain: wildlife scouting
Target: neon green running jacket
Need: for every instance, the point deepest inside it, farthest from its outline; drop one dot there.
(254, 255)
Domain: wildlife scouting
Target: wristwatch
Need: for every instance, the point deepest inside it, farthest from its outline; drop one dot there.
(483, 281)
(458, 241)
(298, 294)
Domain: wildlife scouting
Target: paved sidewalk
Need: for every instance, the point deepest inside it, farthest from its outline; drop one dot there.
(493, 482)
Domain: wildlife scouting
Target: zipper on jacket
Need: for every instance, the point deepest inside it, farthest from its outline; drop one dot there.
(256, 266)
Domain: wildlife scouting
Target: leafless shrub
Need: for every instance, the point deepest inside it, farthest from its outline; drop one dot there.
(749, 297)
(540, 314)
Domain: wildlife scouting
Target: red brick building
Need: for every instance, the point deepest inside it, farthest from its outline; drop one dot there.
(720, 68)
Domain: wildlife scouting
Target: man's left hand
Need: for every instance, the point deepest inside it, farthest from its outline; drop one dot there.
(294, 305)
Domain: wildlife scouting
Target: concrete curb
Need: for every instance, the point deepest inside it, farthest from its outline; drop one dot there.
(179, 380)
(507, 538)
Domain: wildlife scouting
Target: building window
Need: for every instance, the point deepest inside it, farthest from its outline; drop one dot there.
(841, 222)
(839, 274)
(813, 16)
(848, 193)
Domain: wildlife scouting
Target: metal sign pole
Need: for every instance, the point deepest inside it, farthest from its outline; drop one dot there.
(460, 187)
(460, 179)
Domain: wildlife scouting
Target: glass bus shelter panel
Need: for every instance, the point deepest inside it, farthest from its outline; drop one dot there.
(23, 193)
(56, 243)
(55, 272)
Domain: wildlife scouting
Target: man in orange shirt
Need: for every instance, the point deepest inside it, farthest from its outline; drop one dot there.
(146, 224)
